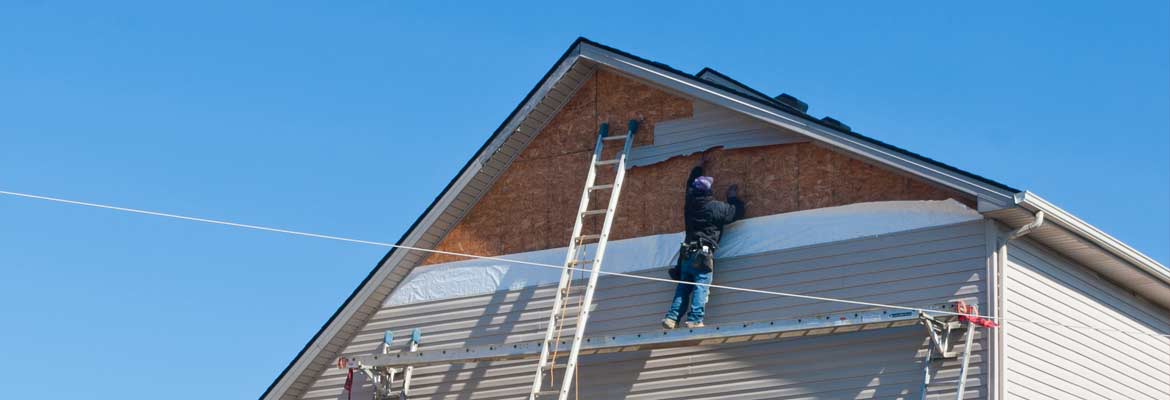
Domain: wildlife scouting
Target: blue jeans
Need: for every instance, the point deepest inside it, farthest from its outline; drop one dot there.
(692, 295)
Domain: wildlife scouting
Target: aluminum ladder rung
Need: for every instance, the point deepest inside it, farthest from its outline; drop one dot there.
(607, 162)
(595, 212)
(615, 137)
(600, 187)
(549, 369)
(579, 262)
(583, 238)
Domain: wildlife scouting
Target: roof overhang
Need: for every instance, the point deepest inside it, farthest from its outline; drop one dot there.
(1089, 246)
(990, 195)
(572, 70)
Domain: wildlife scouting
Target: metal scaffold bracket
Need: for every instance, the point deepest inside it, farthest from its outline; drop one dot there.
(941, 321)
(756, 331)
(940, 346)
(381, 377)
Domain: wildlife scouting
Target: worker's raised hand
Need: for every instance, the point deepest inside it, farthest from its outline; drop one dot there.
(733, 191)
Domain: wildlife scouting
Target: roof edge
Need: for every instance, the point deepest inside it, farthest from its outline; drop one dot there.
(1091, 233)
(752, 92)
(801, 115)
(406, 234)
(997, 194)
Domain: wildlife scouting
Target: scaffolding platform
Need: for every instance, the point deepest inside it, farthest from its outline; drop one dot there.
(828, 324)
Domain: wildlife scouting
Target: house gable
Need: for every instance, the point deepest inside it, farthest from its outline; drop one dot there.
(837, 150)
(532, 205)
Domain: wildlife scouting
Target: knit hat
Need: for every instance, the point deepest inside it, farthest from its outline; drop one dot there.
(703, 183)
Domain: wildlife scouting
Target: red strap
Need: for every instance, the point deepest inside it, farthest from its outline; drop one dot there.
(349, 384)
(970, 314)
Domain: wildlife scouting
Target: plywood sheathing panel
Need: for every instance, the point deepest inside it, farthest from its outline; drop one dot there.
(621, 99)
(533, 204)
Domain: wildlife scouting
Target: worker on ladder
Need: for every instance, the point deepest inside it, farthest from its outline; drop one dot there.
(705, 217)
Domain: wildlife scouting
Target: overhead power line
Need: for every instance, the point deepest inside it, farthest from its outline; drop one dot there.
(559, 267)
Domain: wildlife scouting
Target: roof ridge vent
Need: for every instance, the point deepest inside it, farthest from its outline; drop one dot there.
(835, 124)
(792, 101)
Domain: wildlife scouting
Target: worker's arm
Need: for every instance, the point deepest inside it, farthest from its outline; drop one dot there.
(733, 209)
(739, 208)
(696, 172)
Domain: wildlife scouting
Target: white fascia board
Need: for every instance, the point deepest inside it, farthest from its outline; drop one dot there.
(513, 124)
(989, 197)
(1055, 214)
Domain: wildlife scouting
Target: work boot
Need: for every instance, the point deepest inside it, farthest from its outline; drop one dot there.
(694, 324)
(669, 323)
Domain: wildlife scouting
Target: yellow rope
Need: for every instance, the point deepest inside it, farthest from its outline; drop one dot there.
(561, 323)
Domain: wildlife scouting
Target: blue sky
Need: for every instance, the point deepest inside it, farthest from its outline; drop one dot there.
(349, 119)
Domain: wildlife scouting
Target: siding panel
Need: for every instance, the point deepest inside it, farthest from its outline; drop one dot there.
(709, 126)
(1051, 361)
(915, 267)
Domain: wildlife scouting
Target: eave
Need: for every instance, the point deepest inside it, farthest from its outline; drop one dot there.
(1089, 246)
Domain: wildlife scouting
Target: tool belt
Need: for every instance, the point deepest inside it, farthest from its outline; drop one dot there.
(704, 251)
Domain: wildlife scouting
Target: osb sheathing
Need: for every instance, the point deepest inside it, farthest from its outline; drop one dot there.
(533, 204)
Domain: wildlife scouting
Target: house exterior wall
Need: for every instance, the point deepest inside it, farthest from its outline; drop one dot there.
(1044, 361)
(918, 267)
(533, 203)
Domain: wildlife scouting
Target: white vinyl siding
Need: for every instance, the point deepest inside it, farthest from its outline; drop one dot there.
(1043, 360)
(925, 266)
(709, 126)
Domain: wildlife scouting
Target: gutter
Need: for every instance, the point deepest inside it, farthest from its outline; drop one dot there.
(1030, 201)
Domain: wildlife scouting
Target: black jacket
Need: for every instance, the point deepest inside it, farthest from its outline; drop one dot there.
(705, 216)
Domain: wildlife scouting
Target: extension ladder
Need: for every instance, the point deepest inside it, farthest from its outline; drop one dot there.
(574, 259)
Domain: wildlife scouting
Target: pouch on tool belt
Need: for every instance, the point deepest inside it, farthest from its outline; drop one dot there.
(675, 273)
(707, 259)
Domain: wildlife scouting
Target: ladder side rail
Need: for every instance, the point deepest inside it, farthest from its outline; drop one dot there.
(385, 384)
(570, 255)
(598, 254)
(926, 368)
(970, 335)
(415, 338)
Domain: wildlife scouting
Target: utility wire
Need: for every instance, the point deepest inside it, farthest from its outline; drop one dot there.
(561, 267)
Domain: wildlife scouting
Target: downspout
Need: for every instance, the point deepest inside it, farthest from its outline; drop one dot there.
(1026, 229)
(1000, 269)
